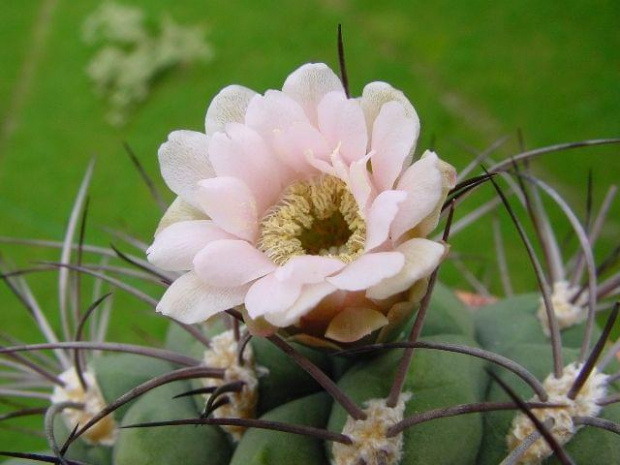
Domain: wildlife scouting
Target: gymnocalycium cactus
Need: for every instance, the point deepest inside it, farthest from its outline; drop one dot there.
(309, 325)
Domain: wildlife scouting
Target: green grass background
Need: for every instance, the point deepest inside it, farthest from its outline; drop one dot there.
(475, 71)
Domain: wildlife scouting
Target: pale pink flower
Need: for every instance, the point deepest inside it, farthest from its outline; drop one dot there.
(301, 207)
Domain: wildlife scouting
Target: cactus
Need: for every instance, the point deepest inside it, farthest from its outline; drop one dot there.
(345, 364)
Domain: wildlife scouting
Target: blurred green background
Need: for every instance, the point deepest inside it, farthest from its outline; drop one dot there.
(475, 71)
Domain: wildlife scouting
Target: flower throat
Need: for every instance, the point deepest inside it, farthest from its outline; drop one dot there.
(316, 217)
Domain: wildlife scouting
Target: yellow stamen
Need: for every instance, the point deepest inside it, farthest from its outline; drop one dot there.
(316, 217)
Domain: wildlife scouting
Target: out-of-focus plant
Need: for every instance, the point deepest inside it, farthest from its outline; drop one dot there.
(130, 57)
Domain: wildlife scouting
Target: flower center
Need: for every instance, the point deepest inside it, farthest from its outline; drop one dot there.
(316, 217)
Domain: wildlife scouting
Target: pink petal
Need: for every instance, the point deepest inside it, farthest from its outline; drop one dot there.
(308, 269)
(380, 217)
(342, 122)
(295, 143)
(243, 154)
(429, 223)
(228, 106)
(340, 166)
(360, 183)
(190, 301)
(368, 270)
(230, 263)
(308, 84)
(311, 296)
(231, 205)
(272, 112)
(423, 182)
(422, 257)
(377, 94)
(184, 161)
(176, 246)
(270, 295)
(393, 137)
(320, 165)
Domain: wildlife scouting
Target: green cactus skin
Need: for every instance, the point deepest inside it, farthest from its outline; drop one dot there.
(285, 380)
(513, 321)
(187, 445)
(26, 462)
(262, 447)
(436, 379)
(288, 394)
(510, 327)
(119, 373)
(446, 315)
(178, 340)
(116, 374)
(281, 371)
(586, 447)
(79, 450)
(49, 453)
(595, 447)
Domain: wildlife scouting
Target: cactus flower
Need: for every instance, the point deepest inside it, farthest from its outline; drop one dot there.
(302, 207)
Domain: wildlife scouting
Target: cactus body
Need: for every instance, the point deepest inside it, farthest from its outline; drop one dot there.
(153, 446)
(287, 394)
(261, 447)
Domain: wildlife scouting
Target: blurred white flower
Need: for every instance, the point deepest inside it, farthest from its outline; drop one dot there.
(113, 22)
(130, 58)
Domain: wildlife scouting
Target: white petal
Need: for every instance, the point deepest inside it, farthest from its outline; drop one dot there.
(421, 258)
(176, 246)
(309, 83)
(380, 217)
(270, 295)
(228, 106)
(368, 270)
(230, 263)
(311, 296)
(393, 136)
(360, 183)
(375, 95)
(423, 182)
(231, 205)
(179, 210)
(184, 161)
(190, 301)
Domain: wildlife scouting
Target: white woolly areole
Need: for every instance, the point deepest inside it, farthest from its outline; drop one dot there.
(104, 432)
(224, 353)
(370, 445)
(564, 428)
(567, 313)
